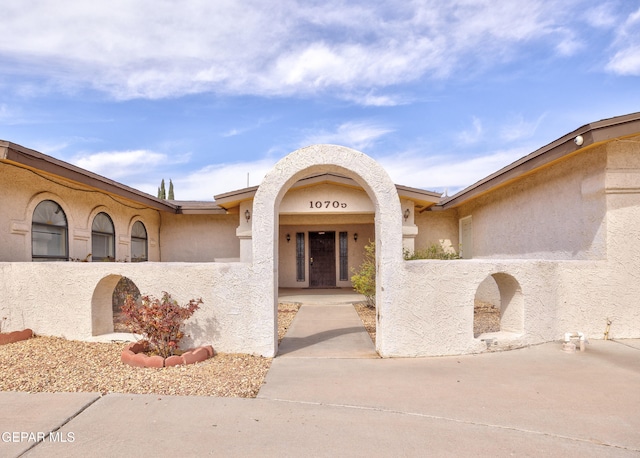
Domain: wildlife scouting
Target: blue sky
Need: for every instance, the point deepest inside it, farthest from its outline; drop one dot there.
(441, 93)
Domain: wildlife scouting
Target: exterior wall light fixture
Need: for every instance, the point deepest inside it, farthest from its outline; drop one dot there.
(407, 212)
(247, 215)
(355, 237)
(288, 238)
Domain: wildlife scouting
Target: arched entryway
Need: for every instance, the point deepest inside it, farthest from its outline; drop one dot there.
(317, 159)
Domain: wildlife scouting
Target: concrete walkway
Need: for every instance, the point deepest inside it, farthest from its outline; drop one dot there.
(537, 401)
(326, 326)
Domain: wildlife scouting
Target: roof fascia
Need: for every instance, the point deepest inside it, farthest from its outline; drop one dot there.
(31, 159)
(593, 134)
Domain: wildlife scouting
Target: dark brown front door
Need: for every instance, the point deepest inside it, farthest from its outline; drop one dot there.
(322, 259)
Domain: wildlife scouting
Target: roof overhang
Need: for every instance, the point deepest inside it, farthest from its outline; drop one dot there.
(41, 163)
(592, 134)
(196, 207)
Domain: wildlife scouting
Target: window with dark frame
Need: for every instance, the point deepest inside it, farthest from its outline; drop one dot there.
(103, 236)
(49, 234)
(344, 257)
(138, 243)
(300, 256)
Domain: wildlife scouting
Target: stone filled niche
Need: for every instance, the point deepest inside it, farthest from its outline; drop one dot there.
(124, 288)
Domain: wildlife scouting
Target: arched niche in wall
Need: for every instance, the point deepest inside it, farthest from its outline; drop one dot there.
(498, 306)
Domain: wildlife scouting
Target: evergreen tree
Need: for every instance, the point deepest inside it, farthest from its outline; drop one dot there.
(163, 193)
(171, 196)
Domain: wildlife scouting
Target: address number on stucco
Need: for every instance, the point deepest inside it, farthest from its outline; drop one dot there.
(327, 204)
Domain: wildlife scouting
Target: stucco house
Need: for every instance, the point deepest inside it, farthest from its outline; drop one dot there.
(553, 239)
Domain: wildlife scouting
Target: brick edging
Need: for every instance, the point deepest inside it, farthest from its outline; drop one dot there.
(133, 356)
(15, 336)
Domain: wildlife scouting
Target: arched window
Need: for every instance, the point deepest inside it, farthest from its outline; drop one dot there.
(102, 238)
(138, 243)
(49, 233)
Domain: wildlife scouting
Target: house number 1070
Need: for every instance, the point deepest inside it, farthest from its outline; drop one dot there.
(327, 204)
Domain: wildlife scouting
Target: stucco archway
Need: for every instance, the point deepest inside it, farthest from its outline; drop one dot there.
(388, 227)
(511, 303)
(503, 292)
(101, 305)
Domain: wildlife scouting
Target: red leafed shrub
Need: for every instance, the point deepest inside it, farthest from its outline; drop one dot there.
(159, 321)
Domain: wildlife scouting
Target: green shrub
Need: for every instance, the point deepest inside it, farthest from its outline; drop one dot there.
(435, 251)
(364, 279)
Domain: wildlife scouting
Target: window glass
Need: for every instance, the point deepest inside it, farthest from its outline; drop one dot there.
(300, 256)
(138, 242)
(49, 232)
(102, 238)
(344, 257)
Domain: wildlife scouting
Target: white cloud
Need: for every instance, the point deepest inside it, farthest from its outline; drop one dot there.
(472, 135)
(570, 44)
(120, 164)
(410, 169)
(601, 15)
(446, 172)
(5, 114)
(626, 59)
(370, 99)
(208, 181)
(357, 135)
(156, 49)
(247, 128)
(517, 128)
(626, 62)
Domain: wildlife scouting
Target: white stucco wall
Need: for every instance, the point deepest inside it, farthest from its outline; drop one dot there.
(326, 199)
(556, 213)
(430, 314)
(488, 292)
(437, 227)
(198, 238)
(73, 300)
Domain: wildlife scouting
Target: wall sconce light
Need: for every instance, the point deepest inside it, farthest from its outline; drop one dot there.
(355, 237)
(288, 238)
(407, 212)
(247, 215)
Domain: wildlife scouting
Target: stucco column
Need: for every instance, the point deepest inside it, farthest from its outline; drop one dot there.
(244, 232)
(409, 229)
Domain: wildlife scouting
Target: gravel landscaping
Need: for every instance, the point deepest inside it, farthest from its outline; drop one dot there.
(53, 364)
(368, 316)
(486, 318)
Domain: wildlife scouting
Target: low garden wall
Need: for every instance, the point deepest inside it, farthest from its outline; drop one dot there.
(74, 300)
(428, 311)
